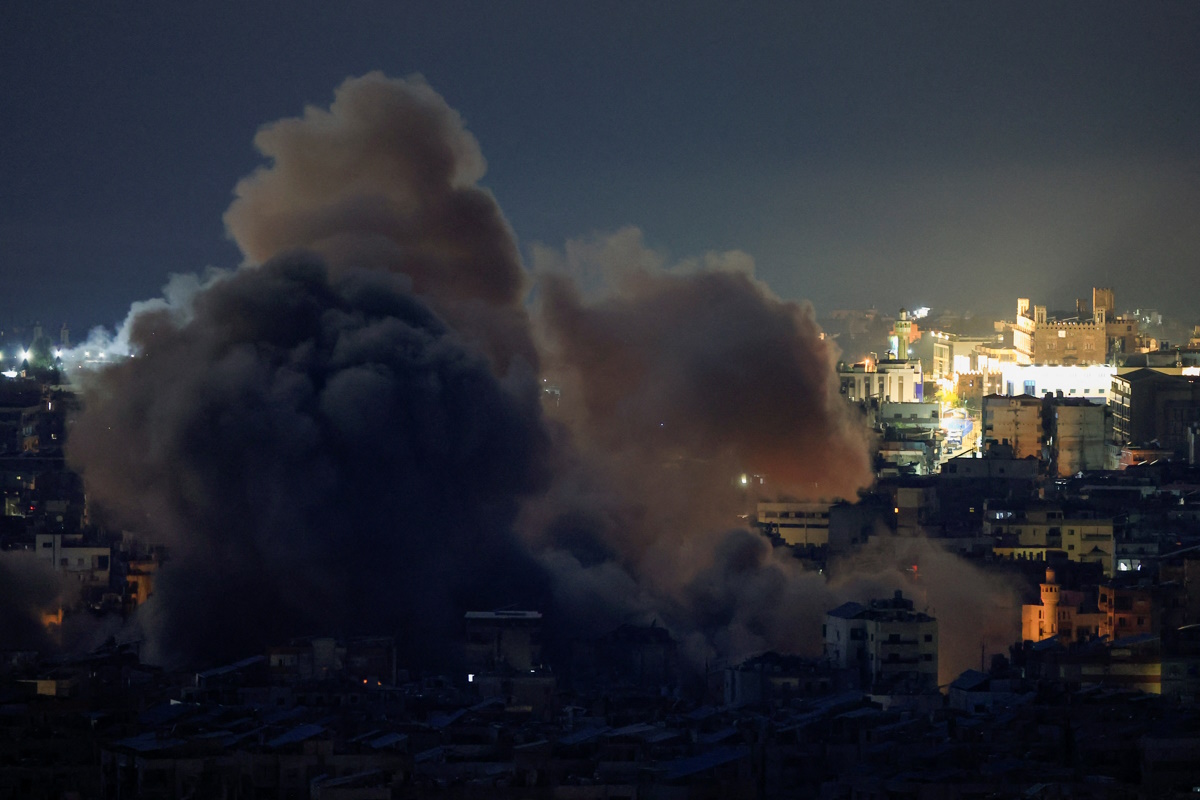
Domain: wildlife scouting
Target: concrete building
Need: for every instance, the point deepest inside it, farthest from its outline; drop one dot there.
(889, 380)
(803, 524)
(1091, 382)
(884, 644)
(1016, 421)
(1040, 531)
(1150, 406)
(1077, 439)
(68, 555)
(911, 418)
(1128, 611)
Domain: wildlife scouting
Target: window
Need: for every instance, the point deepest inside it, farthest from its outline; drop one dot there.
(927, 657)
(47, 545)
(929, 637)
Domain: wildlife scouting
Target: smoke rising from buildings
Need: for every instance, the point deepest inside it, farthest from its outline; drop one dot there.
(675, 380)
(317, 454)
(345, 434)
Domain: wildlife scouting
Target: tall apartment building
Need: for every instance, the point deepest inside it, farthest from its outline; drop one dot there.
(1044, 530)
(1077, 439)
(1148, 405)
(1016, 421)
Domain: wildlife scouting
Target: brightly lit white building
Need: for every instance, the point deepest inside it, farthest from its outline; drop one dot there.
(888, 380)
(1091, 382)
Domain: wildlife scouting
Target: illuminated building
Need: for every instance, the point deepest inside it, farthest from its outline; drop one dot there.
(1149, 406)
(1044, 530)
(890, 380)
(1091, 382)
(1077, 436)
(1068, 614)
(1040, 340)
(1014, 421)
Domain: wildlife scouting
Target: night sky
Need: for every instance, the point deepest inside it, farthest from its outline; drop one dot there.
(944, 154)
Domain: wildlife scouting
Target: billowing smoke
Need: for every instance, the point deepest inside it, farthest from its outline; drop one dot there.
(709, 365)
(673, 382)
(318, 454)
(386, 179)
(346, 434)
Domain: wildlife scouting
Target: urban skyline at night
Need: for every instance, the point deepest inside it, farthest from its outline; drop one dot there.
(600, 401)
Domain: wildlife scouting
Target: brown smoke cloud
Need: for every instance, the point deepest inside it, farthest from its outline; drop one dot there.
(673, 381)
(386, 179)
(708, 364)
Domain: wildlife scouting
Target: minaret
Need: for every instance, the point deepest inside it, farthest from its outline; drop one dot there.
(902, 331)
(1050, 604)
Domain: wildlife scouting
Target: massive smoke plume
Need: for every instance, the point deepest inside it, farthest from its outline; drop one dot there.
(317, 454)
(345, 434)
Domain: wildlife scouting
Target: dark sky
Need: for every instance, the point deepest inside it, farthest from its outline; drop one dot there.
(946, 154)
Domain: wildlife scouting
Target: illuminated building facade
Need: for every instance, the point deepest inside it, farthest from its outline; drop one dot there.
(1039, 340)
(1015, 421)
(1078, 436)
(1150, 406)
(1041, 531)
(1068, 614)
(894, 381)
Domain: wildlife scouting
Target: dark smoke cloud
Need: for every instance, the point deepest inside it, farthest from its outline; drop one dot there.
(28, 588)
(320, 455)
(386, 179)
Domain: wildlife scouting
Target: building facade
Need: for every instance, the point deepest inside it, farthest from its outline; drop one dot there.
(1040, 340)
(1016, 421)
